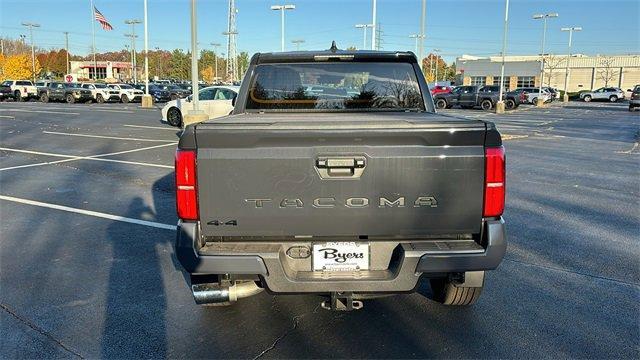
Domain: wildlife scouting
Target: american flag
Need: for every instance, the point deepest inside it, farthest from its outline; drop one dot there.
(102, 20)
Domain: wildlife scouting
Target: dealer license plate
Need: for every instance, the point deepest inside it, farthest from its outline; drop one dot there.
(340, 256)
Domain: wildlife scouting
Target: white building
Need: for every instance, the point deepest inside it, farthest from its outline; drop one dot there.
(109, 71)
(585, 72)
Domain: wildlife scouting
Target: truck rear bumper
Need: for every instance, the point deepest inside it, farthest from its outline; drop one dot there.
(407, 263)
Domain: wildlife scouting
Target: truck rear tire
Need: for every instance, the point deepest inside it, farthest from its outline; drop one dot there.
(70, 99)
(44, 98)
(441, 103)
(486, 105)
(17, 96)
(509, 104)
(448, 292)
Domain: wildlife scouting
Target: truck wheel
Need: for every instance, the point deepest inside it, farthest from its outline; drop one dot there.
(447, 292)
(70, 99)
(441, 103)
(509, 104)
(44, 98)
(124, 99)
(99, 99)
(174, 117)
(613, 98)
(17, 96)
(587, 98)
(174, 97)
(486, 104)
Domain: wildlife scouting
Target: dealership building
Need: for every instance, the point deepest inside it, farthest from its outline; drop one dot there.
(585, 72)
(109, 71)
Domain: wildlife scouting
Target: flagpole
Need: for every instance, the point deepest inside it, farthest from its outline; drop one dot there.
(93, 32)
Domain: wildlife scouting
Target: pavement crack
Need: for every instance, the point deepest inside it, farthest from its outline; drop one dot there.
(296, 322)
(574, 272)
(40, 330)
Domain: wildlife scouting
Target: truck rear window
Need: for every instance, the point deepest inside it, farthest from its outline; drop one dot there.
(359, 86)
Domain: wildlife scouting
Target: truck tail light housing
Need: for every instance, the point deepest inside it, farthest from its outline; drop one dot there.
(186, 185)
(494, 181)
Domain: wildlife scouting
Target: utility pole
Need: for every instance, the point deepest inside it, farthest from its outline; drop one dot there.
(423, 24)
(66, 48)
(133, 23)
(297, 42)
(215, 55)
(374, 26)
(544, 18)
(364, 27)
(500, 103)
(565, 98)
(33, 48)
(282, 9)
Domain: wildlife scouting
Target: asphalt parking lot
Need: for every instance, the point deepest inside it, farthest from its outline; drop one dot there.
(87, 267)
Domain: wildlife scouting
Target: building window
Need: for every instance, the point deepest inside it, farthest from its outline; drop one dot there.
(478, 80)
(526, 81)
(505, 83)
(102, 73)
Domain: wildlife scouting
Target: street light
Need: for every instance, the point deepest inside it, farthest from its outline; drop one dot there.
(297, 42)
(133, 36)
(364, 27)
(133, 58)
(215, 54)
(33, 48)
(282, 8)
(66, 48)
(417, 37)
(147, 99)
(436, 51)
(544, 18)
(565, 98)
(500, 103)
(373, 25)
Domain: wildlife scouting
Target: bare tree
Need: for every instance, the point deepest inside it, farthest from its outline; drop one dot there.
(551, 63)
(607, 71)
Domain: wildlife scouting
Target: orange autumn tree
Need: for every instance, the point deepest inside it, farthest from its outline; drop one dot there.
(19, 67)
(207, 74)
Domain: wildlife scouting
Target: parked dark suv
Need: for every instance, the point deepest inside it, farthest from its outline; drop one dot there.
(634, 100)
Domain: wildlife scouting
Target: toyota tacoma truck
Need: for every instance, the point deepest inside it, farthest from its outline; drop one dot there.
(485, 97)
(353, 193)
(23, 90)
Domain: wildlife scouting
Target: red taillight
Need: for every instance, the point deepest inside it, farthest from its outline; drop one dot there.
(494, 181)
(186, 185)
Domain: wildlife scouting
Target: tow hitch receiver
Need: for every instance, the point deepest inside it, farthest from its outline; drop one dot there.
(342, 301)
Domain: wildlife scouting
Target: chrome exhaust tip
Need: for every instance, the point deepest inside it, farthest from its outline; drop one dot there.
(214, 293)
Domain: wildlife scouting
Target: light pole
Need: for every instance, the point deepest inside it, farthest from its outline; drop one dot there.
(374, 25)
(133, 58)
(133, 23)
(565, 98)
(158, 62)
(215, 55)
(436, 51)
(66, 48)
(147, 100)
(423, 21)
(33, 48)
(194, 115)
(297, 42)
(364, 27)
(500, 103)
(282, 8)
(417, 37)
(544, 18)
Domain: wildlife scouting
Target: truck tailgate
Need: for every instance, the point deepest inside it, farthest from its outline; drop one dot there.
(286, 175)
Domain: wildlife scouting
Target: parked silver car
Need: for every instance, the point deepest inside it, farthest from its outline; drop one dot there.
(606, 93)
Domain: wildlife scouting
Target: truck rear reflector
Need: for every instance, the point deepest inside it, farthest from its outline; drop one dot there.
(186, 185)
(494, 181)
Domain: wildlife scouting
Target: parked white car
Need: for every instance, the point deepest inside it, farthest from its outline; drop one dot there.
(22, 89)
(532, 94)
(215, 101)
(101, 92)
(127, 92)
(606, 93)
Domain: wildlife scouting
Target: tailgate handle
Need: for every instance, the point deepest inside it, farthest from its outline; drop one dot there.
(348, 167)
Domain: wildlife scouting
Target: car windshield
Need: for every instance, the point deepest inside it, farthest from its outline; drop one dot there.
(72, 85)
(361, 86)
(125, 86)
(100, 86)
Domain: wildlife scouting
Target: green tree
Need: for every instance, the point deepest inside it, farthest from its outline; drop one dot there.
(179, 65)
(243, 63)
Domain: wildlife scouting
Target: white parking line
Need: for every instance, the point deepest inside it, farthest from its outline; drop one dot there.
(40, 111)
(90, 213)
(153, 127)
(106, 137)
(92, 157)
(7, 116)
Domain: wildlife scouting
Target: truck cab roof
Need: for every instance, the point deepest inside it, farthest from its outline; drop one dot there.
(335, 55)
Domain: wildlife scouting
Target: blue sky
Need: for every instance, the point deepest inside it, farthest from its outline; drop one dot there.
(455, 27)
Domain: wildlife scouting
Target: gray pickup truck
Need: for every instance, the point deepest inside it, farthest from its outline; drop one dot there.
(359, 191)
